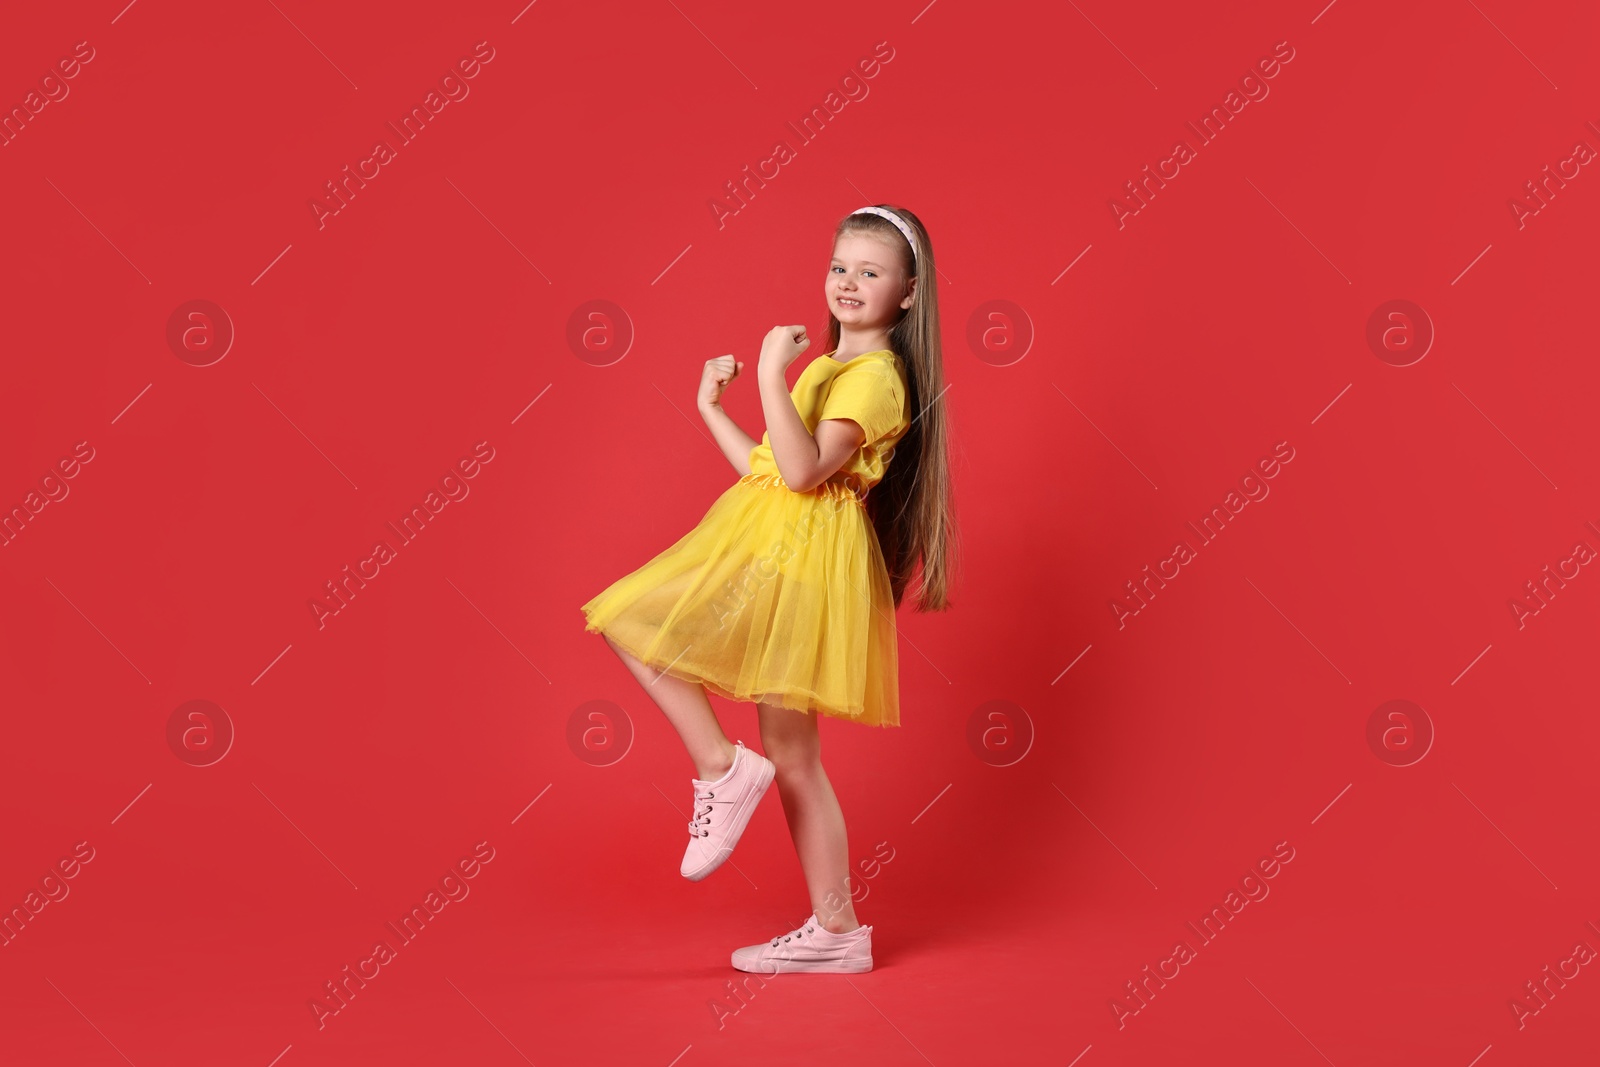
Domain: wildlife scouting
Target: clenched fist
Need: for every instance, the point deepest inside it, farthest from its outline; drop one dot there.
(781, 347)
(715, 378)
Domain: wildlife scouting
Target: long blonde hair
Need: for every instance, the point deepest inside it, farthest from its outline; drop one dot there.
(911, 508)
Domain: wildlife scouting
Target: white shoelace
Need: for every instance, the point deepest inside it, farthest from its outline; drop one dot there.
(797, 933)
(701, 817)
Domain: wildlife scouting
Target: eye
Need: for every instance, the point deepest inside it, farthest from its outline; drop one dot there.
(870, 274)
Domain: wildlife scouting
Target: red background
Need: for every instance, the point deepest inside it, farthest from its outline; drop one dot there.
(376, 349)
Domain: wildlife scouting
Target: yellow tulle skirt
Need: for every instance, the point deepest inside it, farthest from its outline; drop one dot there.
(775, 596)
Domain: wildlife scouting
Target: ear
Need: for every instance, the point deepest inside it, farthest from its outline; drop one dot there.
(911, 293)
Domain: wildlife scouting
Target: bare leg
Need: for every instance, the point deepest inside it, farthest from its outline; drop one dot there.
(816, 822)
(689, 710)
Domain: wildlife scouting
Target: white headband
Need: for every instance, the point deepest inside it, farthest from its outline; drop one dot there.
(899, 224)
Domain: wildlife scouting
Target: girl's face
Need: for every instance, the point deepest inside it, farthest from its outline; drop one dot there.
(867, 286)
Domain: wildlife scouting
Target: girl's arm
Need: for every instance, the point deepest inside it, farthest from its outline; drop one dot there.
(734, 442)
(804, 461)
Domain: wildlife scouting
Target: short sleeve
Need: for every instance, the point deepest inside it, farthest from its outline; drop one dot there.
(869, 392)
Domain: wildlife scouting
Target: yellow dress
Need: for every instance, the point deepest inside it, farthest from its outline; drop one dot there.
(777, 595)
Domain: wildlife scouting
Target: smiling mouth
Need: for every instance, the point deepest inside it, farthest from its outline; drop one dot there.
(847, 302)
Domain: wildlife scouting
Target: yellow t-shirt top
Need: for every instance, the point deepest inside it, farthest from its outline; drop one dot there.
(870, 390)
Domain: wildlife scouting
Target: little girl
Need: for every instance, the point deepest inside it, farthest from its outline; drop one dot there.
(785, 592)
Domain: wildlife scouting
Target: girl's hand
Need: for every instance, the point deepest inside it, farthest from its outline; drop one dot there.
(781, 347)
(715, 378)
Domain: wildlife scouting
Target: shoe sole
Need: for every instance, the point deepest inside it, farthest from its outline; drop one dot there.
(738, 820)
(776, 966)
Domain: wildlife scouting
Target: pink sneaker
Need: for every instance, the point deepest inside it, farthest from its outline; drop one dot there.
(809, 948)
(721, 810)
